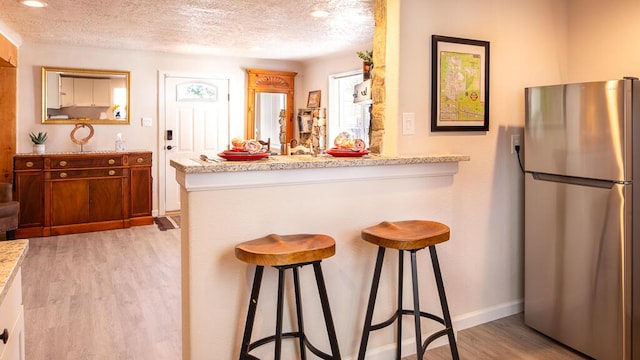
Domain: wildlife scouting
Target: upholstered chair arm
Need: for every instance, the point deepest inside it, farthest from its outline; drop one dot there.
(5, 192)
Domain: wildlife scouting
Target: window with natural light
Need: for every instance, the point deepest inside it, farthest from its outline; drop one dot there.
(196, 92)
(119, 102)
(344, 115)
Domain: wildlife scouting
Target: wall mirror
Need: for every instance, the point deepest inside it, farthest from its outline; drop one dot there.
(90, 96)
(270, 106)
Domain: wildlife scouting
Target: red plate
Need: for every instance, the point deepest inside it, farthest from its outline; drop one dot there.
(243, 156)
(346, 153)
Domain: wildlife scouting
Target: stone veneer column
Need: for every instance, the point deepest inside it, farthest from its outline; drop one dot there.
(378, 75)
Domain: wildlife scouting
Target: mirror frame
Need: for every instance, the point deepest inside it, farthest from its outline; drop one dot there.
(88, 73)
(269, 81)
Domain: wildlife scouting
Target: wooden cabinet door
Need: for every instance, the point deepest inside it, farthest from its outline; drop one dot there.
(69, 202)
(53, 90)
(29, 188)
(101, 92)
(59, 91)
(66, 91)
(140, 179)
(8, 100)
(83, 92)
(105, 200)
(89, 92)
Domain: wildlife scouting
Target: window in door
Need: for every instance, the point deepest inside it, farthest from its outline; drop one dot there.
(196, 92)
(344, 115)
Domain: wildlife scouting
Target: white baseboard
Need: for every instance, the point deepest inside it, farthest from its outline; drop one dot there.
(460, 322)
(478, 317)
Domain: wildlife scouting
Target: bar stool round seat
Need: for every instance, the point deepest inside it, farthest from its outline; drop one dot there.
(288, 252)
(276, 250)
(412, 236)
(407, 235)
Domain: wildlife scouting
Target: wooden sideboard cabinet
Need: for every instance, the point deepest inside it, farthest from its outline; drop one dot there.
(69, 193)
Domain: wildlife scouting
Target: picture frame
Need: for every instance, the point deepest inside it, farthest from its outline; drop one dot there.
(459, 84)
(314, 99)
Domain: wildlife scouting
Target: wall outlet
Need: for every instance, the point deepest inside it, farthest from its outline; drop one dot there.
(515, 140)
(408, 123)
(147, 122)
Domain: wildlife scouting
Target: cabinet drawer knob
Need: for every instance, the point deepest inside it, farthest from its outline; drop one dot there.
(4, 336)
(63, 163)
(139, 160)
(29, 164)
(63, 175)
(112, 172)
(111, 161)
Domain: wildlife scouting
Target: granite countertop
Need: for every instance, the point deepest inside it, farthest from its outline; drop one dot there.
(12, 253)
(279, 162)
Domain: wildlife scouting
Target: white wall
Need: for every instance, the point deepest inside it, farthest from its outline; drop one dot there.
(11, 35)
(315, 75)
(483, 262)
(145, 68)
(604, 40)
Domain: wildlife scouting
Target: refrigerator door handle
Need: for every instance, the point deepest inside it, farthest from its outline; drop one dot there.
(604, 184)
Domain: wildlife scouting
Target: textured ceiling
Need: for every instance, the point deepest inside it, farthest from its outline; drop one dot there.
(282, 29)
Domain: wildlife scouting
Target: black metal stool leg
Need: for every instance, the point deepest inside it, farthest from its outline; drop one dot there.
(324, 300)
(278, 349)
(443, 303)
(400, 304)
(372, 301)
(251, 313)
(416, 304)
(301, 339)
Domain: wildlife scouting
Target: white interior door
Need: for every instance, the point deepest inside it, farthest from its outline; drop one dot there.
(196, 122)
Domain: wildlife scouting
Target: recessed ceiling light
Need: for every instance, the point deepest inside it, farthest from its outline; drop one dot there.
(320, 13)
(34, 3)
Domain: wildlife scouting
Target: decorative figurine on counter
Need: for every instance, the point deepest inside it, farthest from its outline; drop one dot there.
(84, 140)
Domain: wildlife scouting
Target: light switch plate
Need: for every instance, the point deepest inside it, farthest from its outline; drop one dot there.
(408, 123)
(147, 122)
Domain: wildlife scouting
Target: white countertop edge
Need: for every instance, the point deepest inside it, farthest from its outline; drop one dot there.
(254, 179)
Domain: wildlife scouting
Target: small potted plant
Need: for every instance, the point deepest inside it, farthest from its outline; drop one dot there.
(367, 62)
(38, 142)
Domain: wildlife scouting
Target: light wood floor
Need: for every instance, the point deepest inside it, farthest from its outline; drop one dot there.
(506, 338)
(116, 295)
(103, 295)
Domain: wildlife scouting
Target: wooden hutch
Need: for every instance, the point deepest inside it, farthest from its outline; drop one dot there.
(64, 193)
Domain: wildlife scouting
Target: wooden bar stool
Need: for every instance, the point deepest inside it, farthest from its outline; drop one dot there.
(412, 236)
(283, 253)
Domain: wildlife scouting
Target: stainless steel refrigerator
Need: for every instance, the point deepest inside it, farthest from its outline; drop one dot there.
(582, 216)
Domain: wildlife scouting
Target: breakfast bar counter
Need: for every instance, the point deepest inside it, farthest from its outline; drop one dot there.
(192, 166)
(224, 203)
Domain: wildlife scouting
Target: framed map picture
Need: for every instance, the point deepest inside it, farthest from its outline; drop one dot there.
(459, 84)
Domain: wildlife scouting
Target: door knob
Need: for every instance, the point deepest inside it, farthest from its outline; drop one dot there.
(4, 336)
(169, 147)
